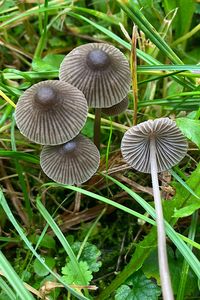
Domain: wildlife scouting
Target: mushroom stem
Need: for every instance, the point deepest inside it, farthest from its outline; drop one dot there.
(162, 249)
(77, 201)
(97, 125)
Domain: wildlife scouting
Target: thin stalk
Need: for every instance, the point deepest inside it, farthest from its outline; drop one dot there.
(97, 126)
(161, 237)
(134, 74)
(42, 41)
(7, 99)
(77, 201)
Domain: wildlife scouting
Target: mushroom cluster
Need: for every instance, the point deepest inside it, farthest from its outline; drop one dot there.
(53, 112)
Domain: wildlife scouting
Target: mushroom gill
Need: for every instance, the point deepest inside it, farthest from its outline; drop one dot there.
(100, 71)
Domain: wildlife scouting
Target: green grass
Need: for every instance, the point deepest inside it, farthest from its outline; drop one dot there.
(37, 215)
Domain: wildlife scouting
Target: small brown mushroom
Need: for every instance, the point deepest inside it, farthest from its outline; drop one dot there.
(152, 147)
(71, 163)
(117, 108)
(51, 112)
(100, 71)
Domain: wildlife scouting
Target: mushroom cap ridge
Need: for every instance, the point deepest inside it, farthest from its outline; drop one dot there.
(51, 112)
(100, 71)
(71, 163)
(171, 145)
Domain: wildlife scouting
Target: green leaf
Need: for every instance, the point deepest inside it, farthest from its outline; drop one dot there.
(151, 269)
(90, 254)
(88, 128)
(71, 276)
(138, 287)
(191, 129)
(187, 210)
(40, 270)
(46, 242)
(51, 62)
(186, 9)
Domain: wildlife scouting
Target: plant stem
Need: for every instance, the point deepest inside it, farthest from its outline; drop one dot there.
(161, 237)
(97, 125)
(42, 41)
(134, 74)
(77, 202)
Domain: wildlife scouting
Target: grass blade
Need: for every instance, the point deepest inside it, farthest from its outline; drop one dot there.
(173, 235)
(20, 155)
(29, 245)
(183, 248)
(6, 288)
(14, 279)
(62, 239)
(104, 200)
(139, 19)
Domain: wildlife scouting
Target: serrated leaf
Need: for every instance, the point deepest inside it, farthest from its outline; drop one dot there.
(90, 254)
(187, 210)
(40, 270)
(138, 287)
(71, 277)
(191, 129)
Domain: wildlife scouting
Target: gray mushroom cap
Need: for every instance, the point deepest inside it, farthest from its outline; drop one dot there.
(100, 71)
(117, 108)
(71, 163)
(51, 112)
(171, 145)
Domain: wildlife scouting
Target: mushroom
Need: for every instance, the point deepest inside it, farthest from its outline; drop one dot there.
(71, 163)
(117, 108)
(152, 147)
(51, 112)
(100, 71)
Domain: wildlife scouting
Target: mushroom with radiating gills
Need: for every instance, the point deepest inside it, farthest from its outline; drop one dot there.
(71, 163)
(152, 147)
(101, 72)
(51, 112)
(117, 108)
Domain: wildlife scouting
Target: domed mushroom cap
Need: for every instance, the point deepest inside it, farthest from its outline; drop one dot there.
(117, 108)
(71, 163)
(170, 143)
(100, 71)
(51, 112)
